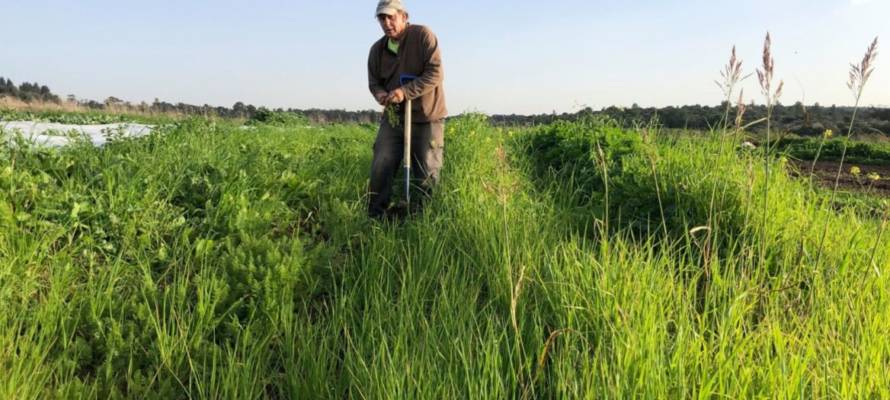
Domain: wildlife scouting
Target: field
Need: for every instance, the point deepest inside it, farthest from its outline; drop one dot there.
(573, 260)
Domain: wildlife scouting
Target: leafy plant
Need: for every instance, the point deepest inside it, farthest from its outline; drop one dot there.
(277, 118)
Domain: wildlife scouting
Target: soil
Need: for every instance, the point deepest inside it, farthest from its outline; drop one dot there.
(826, 171)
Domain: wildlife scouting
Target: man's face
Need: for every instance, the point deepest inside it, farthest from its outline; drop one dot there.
(393, 25)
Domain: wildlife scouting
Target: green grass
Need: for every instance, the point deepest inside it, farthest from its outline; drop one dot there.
(207, 261)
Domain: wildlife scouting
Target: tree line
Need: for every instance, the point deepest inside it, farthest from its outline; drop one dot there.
(36, 93)
(27, 91)
(797, 118)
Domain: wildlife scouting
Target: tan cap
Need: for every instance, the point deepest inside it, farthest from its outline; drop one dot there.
(389, 7)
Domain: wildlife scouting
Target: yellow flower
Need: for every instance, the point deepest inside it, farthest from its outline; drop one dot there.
(828, 134)
(855, 171)
(874, 177)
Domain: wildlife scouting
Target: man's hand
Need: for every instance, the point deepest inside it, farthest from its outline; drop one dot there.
(381, 98)
(396, 96)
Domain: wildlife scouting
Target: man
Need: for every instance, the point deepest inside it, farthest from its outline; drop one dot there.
(405, 50)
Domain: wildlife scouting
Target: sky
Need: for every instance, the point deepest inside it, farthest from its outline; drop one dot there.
(500, 57)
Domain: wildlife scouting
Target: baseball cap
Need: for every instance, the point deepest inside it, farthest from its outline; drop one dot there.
(389, 7)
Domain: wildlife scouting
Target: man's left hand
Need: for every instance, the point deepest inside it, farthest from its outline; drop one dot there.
(396, 96)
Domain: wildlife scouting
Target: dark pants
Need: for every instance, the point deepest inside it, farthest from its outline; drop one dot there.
(427, 148)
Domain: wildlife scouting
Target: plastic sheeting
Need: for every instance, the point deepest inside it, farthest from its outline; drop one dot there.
(58, 135)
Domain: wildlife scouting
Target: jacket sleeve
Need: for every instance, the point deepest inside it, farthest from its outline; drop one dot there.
(432, 75)
(375, 82)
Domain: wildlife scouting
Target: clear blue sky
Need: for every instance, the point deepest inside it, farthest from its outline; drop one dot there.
(517, 56)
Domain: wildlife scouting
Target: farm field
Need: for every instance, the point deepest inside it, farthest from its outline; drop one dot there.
(571, 260)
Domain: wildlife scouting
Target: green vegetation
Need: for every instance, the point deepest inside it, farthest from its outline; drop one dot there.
(800, 119)
(81, 118)
(569, 260)
(277, 118)
(831, 150)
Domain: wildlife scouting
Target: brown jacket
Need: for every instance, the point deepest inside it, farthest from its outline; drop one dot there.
(419, 56)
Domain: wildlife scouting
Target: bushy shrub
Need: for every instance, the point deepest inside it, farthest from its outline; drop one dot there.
(264, 116)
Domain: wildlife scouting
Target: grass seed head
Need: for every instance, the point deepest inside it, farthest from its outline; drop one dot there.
(859, 73)
(766, 73)
(731, 74)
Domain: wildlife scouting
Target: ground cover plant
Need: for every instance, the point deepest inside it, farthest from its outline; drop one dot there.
(571, 260)
(831, 150)
(214, 262)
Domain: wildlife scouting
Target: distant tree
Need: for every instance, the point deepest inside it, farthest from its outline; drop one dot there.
(8, 88)
(239, 110)
(92, 104)
(673, 117)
